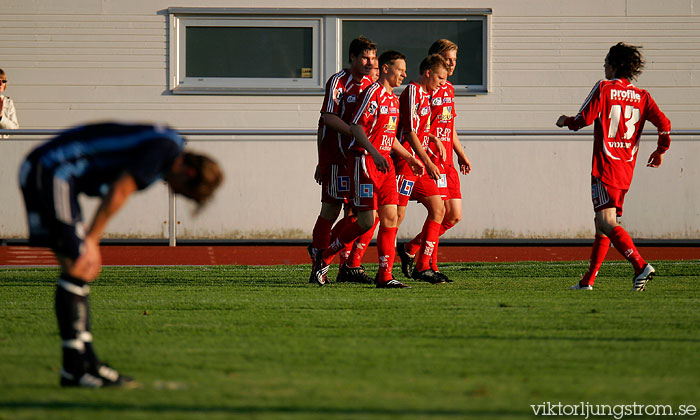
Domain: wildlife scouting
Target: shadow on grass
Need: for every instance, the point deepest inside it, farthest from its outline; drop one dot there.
(105, 408)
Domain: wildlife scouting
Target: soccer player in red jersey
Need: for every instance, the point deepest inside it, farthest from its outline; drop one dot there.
(374, 74)
(442, 126)
(373, 182)
(619, 110)
(416, 138)
(341, 98)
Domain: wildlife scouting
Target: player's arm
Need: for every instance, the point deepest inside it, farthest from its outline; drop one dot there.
(465, 165)
(319, 139)
(440, 147)
(415, 164)
(587, 114)
(111, 203)
(430, 167)
(336, 123)
(663, 126)
(361, 137)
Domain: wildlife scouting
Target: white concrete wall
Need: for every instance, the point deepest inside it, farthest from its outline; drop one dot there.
(75, 61)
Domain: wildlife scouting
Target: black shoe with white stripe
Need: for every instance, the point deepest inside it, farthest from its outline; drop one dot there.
(101, 376)
(110, 377)
(319, 271)
(84, 380)
(639, 282)
(353, 275)
(406, 260)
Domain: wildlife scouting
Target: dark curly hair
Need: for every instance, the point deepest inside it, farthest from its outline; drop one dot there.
(627, 60)
(206, 176)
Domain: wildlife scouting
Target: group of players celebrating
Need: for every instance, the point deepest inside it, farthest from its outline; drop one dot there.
(377, 151)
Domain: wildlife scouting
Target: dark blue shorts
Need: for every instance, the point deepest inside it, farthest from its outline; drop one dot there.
(53, 212)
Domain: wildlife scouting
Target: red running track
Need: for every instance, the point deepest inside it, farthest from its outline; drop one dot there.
(274, 255)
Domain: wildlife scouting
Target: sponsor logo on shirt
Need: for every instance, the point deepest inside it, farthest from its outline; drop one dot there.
(624, 95)
(437, 101)
(391, 125)
(447, 100)
(338, 95)
(351, 99)
(372, 108)
(446, 114)
(383, 109)
(425, 111)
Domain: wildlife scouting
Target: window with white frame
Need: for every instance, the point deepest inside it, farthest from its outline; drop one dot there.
(414, 37)
(294, 51)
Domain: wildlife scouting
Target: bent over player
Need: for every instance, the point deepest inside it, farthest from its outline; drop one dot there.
(101, 160)
(619, 110)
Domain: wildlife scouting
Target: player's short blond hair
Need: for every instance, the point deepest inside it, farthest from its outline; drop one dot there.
(442, 46)
(433, 63)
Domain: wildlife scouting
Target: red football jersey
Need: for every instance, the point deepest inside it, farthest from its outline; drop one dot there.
(341, 98)
(442, 120)
(619, 110)
(414, 109)
(378, 114)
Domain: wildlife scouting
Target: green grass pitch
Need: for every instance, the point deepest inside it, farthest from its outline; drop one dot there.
(259, 342)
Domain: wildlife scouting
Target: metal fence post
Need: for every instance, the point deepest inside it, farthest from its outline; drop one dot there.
(172, 218)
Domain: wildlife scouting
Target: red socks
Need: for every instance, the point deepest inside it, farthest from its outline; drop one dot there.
(598, 253)
(346, 236)
(321, 233)
(622, 241)
(386, 247)
(413, 245)
(359, 247)
(429, 239)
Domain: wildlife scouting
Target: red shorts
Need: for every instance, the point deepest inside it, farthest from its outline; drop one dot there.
(335, 185)
(414, 188)
(606, 197)
(454, 189)
(404, 185)
(371, 188)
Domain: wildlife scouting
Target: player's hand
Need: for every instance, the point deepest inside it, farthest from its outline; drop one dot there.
(561, 122)
(89, 264)
(417, 166)
(465, 165)
(655, 159)
(432, 170)
(441, 147)
(317, 174)
(380, 162)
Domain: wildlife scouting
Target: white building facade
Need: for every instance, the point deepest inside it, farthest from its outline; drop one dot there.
(262, 65)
